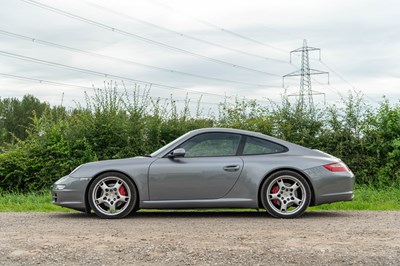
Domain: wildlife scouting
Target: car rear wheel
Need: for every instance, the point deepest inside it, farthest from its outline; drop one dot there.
(285, 194)
(112, 195)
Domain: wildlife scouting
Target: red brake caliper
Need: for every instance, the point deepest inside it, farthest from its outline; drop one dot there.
(122, 191)
(275, 190)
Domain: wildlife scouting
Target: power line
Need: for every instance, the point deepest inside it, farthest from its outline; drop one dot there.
(96, 73)
(329, 86)
(230, 32)
(132, 35)
(183, 34)
(348, 83)
(106, 75)
(337, 74)
(344, 80)
(42, 81)
(334, 90)
(68, 48)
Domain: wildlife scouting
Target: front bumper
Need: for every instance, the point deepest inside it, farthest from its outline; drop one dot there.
(72, 195)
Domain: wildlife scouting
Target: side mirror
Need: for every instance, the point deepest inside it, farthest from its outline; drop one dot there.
(180, 152)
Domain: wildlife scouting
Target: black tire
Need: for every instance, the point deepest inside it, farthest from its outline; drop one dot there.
(285, 194)
(112, 195)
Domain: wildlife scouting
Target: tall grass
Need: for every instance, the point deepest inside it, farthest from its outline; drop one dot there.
(366, 198)
(28, 202)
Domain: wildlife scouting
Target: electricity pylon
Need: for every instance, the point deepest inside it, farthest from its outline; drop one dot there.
(305, 73)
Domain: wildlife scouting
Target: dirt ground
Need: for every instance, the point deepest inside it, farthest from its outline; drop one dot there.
(181, 238)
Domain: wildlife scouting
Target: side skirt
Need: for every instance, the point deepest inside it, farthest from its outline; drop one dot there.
(185, 204)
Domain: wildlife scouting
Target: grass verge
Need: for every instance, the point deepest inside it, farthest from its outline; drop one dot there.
(29, 202)
(366, 198)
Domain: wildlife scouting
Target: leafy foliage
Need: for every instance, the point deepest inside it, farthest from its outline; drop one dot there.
(39, 144)
(15, 116)
(49, 152)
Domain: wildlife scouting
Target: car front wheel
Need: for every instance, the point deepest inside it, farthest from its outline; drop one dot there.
(285, 194)
(112, 195)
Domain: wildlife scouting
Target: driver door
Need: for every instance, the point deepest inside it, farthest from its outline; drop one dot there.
(209, 169)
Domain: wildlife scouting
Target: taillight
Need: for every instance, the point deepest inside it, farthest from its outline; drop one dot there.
(337, 167)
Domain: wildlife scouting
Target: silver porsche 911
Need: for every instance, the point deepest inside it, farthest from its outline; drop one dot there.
(210, 168)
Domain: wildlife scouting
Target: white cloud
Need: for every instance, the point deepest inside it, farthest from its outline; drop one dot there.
(359, 40)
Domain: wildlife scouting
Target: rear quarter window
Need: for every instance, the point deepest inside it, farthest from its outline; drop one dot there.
(255, 146)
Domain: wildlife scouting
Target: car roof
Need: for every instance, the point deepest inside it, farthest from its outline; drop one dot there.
(239, 131)
(228, 130)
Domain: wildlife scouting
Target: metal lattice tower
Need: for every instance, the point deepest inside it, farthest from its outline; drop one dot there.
(305, 73)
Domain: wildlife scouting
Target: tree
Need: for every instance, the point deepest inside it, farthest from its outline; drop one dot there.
(16, 116)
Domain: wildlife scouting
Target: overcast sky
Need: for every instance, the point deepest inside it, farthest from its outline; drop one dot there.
(232, 48)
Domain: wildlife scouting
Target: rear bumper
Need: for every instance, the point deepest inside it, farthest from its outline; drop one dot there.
(335, 197)
(331, 186)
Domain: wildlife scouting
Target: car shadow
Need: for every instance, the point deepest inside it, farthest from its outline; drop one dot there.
(178, 214)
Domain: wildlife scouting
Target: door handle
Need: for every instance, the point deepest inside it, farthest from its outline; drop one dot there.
(231, 168)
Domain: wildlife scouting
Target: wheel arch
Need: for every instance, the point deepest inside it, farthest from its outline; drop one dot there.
(87, 205)
(312, 202)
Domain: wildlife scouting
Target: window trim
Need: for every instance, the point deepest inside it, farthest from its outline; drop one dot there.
(242, 142)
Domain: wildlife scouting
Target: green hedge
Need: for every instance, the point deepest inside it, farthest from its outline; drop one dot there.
(117, 125)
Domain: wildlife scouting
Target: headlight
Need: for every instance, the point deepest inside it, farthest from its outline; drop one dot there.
(59, 187)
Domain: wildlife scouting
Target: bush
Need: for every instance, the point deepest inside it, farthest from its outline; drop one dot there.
(48, 153)
(117, 125)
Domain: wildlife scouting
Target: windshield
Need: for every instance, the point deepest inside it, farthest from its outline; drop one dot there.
(167, 146)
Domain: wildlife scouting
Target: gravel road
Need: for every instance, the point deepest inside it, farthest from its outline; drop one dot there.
(182, 238)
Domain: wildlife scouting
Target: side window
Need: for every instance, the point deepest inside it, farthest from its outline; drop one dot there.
(261, 146)
(212, 144)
